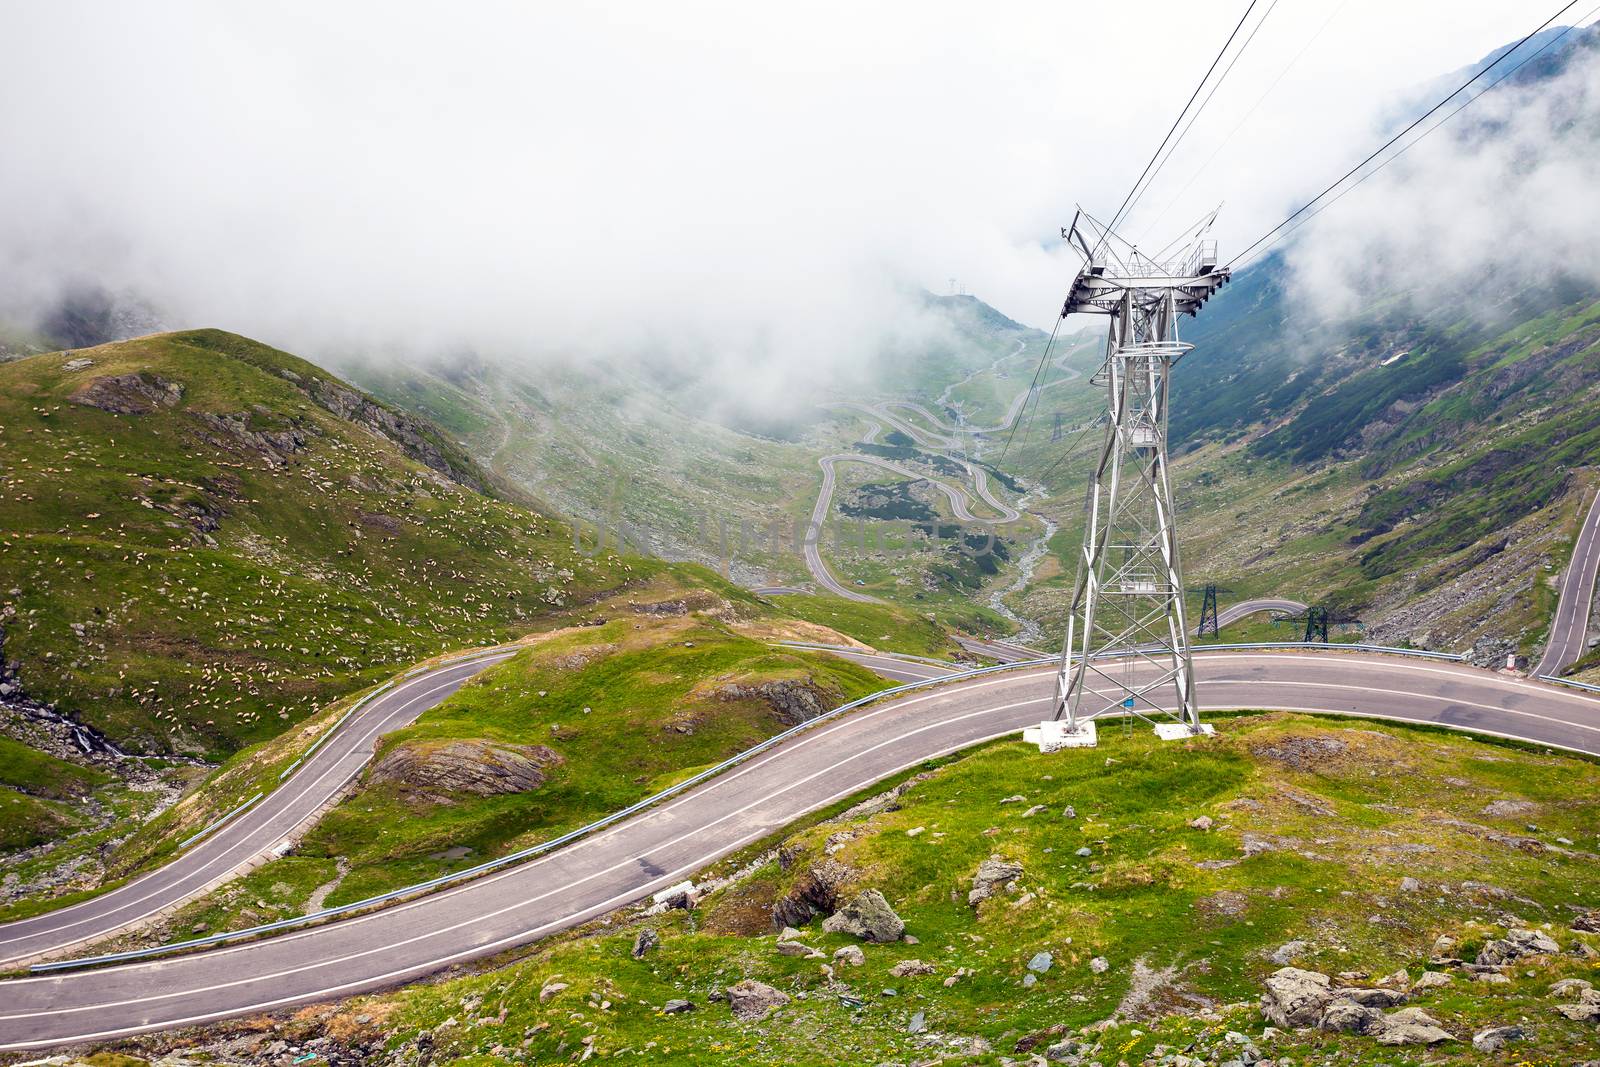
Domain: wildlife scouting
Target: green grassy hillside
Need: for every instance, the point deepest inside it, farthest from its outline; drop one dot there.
(204, 538)
(611, 713)
(1155, 889)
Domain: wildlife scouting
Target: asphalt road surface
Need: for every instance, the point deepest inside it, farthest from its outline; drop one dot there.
(1234, 612)
(664, 845)
(1569, 630)
(249, 836)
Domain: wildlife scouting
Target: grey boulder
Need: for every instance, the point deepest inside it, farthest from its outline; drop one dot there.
(751, 999)
(868, 917)
(1294, 998)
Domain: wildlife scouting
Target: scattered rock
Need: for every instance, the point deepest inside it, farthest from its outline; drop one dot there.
(1202, 822)
(1432, 980)
(1496, 1038)
(1029, 1042)
(1586, 1010)
(1068, 1051)
(1030, 980)
(919, 1023)
(910, 969)
(1571, 988)
(1412, 1026)
(1410, 885)
(797, 948)
(1099, 965)
(751, 999)
(1588, 922)
(1372, 998)
(1084, 853)
(1031, 812)
(1041, 962)
(1514, 946)
(1295, 998)
(1304, 753)
(677, 1007)
(1505, 809)
(868, 917)
(916, 831)
(1288, 952)
(1224, 903)
(993, 874)
(852, 955)
(1015, 798)
(1345, 1017)
(550, 990)
(648, 939)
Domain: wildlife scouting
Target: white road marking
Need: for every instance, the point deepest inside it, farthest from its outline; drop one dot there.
(240, 841)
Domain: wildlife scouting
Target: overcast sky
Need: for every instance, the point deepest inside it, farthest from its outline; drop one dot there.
(756, 178)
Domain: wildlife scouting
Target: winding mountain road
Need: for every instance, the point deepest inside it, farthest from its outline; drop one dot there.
(1569, 630)
(662, 845)
(959, 504)
(1234, 612)
(248, 838)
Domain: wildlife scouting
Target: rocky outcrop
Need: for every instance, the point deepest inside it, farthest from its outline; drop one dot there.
(646, 941)
(233, 429)
(410, 435)
(793, 701)
(1585, 1009)
(128, 394)
(755, 1000)
(994, 874)
(868, 917)
(1411, 1026)
(815, 892)
(1514, 946)
(1295, 998)
(439, 772)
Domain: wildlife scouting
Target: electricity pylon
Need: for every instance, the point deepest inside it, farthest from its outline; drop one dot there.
(1127, 641)
(1208, 612)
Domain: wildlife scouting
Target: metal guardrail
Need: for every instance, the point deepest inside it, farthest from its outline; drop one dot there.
(186, 842)
(1453, 657)
(818, 646)
(307, 754)
(532, 851)
(1585, 686)
(515, 857)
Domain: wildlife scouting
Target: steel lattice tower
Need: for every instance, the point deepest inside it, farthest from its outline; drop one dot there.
(1127, 640)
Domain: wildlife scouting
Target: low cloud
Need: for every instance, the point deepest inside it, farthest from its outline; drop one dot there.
(1499, 201)
(754, 194)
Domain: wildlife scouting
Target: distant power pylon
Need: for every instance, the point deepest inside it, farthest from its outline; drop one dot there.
(1315, 621)
(1316, 624)
(1208, 612)
(1055, 434)
(1127, 641)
